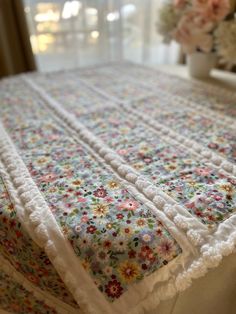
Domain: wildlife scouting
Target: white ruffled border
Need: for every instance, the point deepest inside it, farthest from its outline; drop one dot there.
(195, 230)
(211, 253)
(217, 161)
(161, 275)
(206, 154)
(195, 83)
(43, 228)
(39, 226)
(193, 105)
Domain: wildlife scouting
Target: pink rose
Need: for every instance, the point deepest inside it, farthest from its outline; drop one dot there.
(180, 4)
(214, 10)
(193, 32)
(218, 9)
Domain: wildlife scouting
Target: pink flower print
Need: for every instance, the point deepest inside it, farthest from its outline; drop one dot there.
(109, 199)
(53, 137)
(9, 246)
(218, 197)
(82, 200)
(84, 219)
(213, 145)
(50, 177)
(69, 174)
(203, 171)
(129, 204)
(146, 254)
(165, 248)
(122, 151)
(32, 278)
(101, 193)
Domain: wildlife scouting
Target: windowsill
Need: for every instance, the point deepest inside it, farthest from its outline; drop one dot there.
(218, 77)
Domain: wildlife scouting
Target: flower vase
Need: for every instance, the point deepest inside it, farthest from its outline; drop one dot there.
(200, 64)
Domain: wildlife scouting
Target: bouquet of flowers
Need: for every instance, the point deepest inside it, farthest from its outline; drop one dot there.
(200, 25)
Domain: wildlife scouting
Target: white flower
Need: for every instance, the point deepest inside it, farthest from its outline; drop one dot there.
(108, 270)
(167, 20)
(95, 246)
(120, 244)
(102, 256)
(225, 41)
(85, 241)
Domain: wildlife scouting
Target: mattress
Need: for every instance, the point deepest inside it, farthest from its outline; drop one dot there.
(117, 188)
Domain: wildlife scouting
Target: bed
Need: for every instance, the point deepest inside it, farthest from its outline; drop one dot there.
(117, 188)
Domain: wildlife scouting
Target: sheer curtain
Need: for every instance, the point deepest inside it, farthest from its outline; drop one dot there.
(68, 34)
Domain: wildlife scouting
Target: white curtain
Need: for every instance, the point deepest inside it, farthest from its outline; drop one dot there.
(68, 34)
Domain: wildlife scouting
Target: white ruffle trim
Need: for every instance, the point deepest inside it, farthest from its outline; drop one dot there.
(43, 228)
(125, 171)
(211, 253)
(216, 161)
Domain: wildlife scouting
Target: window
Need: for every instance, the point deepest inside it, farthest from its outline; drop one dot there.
(68, 34)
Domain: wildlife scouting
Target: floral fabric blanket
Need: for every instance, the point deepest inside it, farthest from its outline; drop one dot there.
(117, 188)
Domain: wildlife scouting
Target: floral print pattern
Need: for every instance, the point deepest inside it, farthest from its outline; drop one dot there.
(27, 258)
(16, 299)
(117, 238)
(171, 112)
(205, 95)
(210, 133)
(175, 170)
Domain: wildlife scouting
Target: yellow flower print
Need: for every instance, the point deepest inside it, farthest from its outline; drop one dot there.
(138, 166)
(65, 230)
(188, 161)
(124, 130)
(220, 139)
(140, 222)
(128, 271)
(52, 189)
(42, 160)
(10, 207)
(109, 225)
(192, 183)
(113, 185)
(144, 149)
(170, 167)
(100, 210)
(227, 187)
(34, 139)
(85, 264)
(77, 182)
(67, 167)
